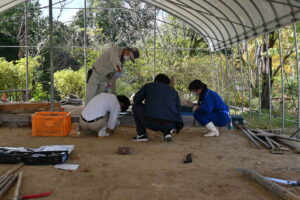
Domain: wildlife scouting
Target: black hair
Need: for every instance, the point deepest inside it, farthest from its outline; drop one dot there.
(126, 102)
(135, 51)
(162, 78)
(197, 84)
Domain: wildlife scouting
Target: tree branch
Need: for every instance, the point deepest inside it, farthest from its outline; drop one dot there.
(283, 62)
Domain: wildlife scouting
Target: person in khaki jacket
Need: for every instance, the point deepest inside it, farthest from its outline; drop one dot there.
(107, 66)
(101, 113)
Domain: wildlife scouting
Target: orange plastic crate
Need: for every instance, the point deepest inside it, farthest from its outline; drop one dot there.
(51, 123)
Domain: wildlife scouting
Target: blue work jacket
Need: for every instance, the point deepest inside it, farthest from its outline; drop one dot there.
(210, 102)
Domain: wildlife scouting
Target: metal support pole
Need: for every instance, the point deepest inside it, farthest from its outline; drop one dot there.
(234, 81)
(51, 54)
(298, 74)
(269, 68)
(227, 93)
(221, 76)
(249, 80)
(218, 75)
(242, 81)
(258, 78)
(85, 45)
(26, 52)
(282, 81)
(212, 65)
(154, 45)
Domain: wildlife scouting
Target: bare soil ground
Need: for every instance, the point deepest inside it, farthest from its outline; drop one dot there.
(155, 169)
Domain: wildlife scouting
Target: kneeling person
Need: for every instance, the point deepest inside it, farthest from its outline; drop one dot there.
(101, 113)
(211, 110)
(161, 110)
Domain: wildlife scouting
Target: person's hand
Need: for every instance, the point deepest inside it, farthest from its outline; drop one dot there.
(110, 131)
(196, 107)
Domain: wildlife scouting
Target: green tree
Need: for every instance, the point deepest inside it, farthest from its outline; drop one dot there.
(69, 82)
(13, 75)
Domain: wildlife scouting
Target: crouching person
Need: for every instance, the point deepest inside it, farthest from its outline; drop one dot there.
(160, 110)
(101, 113)
(211, 110)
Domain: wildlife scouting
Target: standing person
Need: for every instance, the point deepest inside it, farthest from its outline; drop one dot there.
(107, 66)
(160, 110)
(211, 110)
(101, 113)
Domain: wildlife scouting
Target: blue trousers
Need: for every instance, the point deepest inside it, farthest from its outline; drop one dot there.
(153, 124)
(217, 118)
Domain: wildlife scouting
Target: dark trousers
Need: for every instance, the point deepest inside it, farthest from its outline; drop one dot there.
(143, 122)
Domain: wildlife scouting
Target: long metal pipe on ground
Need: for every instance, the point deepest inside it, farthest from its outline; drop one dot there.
(7, 185)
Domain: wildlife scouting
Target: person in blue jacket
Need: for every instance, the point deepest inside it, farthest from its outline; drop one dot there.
(211, 110)
(157, 107)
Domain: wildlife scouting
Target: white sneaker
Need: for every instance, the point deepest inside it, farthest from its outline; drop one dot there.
(102, 132)
(213, 131)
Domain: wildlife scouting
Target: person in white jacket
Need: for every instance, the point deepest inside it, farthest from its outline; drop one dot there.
(107, 66)
(101, 113)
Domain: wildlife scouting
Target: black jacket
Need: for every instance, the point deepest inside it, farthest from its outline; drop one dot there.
(161, 101)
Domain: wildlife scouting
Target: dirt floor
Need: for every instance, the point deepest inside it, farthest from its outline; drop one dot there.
(155, 169)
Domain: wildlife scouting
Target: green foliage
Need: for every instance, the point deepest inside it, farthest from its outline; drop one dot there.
(119, 26)
(69, 82)
(13, 75)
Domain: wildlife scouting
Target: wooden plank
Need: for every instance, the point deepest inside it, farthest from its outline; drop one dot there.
(15, 120)
(273, 187)
(27, 107)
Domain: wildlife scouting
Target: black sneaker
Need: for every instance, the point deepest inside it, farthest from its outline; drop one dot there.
(168, 138)
(140, 138)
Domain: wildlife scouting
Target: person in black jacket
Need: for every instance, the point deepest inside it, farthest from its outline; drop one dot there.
(160, 110)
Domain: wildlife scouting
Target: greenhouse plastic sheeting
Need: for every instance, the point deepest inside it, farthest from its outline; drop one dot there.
(7, 4)
(223, 23)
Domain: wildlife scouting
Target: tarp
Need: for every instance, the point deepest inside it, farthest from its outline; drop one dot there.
(223, 23)
(7, 4)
